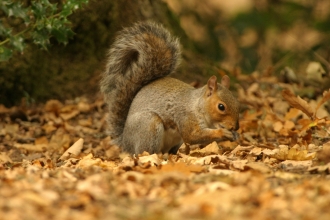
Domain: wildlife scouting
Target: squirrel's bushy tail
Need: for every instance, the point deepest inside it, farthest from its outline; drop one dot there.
(140, 54)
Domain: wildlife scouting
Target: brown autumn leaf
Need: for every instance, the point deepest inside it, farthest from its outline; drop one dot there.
(53, 106)
(4, 158)
(207, 160)
(152, 159)
(277, 126)
(258, 166)
(41, 140)
(69, 115)
(180, 167)
(292, 114)
(49, 128)
(297, 102)
(83, 107)
(3, 109)
(326, 97)
(294, 153)
(289, 125)
(212, 148)
(239, 164)
(90, 161)
(296, 164)
(75, 149)
(31, 147)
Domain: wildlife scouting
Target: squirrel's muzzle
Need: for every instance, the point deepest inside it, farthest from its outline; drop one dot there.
(236, 126)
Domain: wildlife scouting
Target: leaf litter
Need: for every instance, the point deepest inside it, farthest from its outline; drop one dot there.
(56, 163)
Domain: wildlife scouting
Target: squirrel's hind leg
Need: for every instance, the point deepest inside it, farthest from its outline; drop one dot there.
(174, 149)
(144, 131)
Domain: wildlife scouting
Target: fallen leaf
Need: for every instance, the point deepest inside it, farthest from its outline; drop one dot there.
(320, 169)
(324, 154)
(83, 107)
(86, 122)
(152, 159)
(212, 148)
(75, 149)
(297, 102)
(49, 128)
(292, 114)
(127, 161)
(41, 140)
(88, 161)
(269, 152)
(314, 72)
(4, 158)
(223, 172)
(53, 106)
(287, 176)
(93, 186)
(31, 147)
(11, 128)
(239, 164)
(178, 167)
(212, 187)
(295, 154)
(69, 115)
(284, 153)
(325, 98)
(256, 151)
(258, 166)
(288, 125)
(3, 109)
(296, 165)
(36, 198)
(207, 160)
(277, 126)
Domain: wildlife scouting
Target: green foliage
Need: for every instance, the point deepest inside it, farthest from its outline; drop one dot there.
(38, 22)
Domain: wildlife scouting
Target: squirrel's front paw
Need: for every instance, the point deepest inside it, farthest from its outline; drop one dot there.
(235, 135)
(230, 135)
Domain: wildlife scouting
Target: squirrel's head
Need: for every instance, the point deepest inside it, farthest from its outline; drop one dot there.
(221, 106)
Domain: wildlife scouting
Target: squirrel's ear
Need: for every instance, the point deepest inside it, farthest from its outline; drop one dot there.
(212, 85)
(225, 81)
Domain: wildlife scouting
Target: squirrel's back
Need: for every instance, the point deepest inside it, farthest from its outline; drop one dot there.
(139, 55)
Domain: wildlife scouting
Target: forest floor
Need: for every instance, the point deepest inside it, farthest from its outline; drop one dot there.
(56, 163)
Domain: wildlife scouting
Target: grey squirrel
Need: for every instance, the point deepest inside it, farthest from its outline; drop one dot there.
(149, 111)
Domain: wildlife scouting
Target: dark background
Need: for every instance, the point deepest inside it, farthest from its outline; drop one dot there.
(237, 36)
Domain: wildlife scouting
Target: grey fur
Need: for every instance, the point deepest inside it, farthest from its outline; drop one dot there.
(139, 55)
(155, 113)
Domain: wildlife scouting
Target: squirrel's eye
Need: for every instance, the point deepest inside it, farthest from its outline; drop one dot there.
(221, 107)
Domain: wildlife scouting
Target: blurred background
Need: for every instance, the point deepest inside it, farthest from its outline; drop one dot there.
(289, 39)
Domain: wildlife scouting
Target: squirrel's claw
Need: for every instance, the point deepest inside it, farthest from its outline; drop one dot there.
(236, 135)
(230, 135)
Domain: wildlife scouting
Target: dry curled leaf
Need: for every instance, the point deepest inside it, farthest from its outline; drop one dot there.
(297, 102)
(4, 158)
(212, 148)
(294, 153)
(152, 159)
(31, 147)
(75, 149)
(53, 106)
(180, 167)
(326, 97)
(258, 166)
